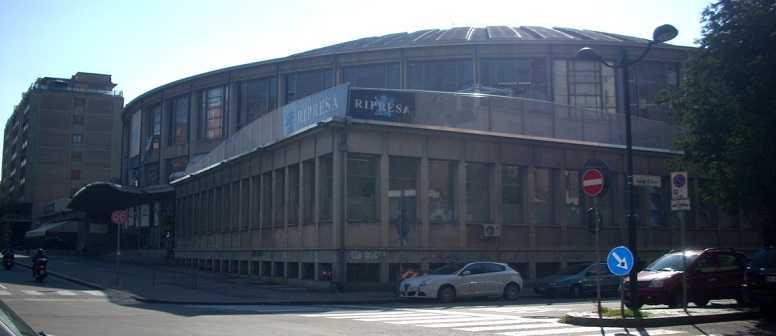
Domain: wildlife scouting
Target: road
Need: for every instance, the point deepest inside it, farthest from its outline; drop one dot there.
(61, 308)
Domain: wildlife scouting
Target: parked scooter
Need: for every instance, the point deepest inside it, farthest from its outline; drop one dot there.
(8, 259)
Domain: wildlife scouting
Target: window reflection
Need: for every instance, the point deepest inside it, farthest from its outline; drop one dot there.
(448, 75)
(381, 76)
(303, 84)
(441, 191)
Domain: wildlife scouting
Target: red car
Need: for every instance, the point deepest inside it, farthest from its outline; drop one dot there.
(712, 274)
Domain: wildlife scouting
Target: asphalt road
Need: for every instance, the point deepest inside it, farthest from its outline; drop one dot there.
(61, 308)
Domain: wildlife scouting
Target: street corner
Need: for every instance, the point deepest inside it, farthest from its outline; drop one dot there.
(651, 318)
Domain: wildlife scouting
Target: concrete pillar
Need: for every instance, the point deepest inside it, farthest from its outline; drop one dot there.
(339, 217)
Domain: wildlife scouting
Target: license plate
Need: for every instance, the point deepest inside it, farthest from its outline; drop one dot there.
(770, 278)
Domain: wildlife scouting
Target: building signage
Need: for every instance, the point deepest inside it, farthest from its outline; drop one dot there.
(309, 110)
(646, 181)
(382, 105)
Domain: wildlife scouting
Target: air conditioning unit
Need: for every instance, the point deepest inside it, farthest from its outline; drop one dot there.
(491, 230)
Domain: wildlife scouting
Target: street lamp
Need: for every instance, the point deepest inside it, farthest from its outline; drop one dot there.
(661, 34)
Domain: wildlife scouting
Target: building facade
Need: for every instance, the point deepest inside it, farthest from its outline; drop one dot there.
(452, 145)
(59, 138)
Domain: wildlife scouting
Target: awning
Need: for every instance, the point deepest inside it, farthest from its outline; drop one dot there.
(41, 230)
(105, 197)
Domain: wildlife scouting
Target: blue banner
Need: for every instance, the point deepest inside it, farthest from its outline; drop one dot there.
(309, 110)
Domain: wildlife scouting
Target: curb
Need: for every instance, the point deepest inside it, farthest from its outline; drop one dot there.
(69, 278)
(659, 321)
(268, 303)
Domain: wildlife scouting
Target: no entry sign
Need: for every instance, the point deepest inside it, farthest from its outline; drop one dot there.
(593, 182)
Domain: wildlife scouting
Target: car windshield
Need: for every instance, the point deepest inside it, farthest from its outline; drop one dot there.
(764, 258)
(670, 262)
(447, 269)
(574, 269)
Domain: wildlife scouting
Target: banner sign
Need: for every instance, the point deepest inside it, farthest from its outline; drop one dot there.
(309, 110)
(382, 105)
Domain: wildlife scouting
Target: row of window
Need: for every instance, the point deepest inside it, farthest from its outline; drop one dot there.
(276, 197)
(581, 83)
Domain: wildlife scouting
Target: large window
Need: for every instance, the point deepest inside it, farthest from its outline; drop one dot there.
(293, 194)
(266, 200)
(280, 196)
(585, 84)
(441, 191)
(543, 196)
(449, 75)
(362, 188)
(512, 194)
(402, 193)
(154, 128)
(648, 80)
(303, 84)
(134, 134)
(326, 192)
(213, 112)
(308, 191)
(572, 195)
(152, 174)
(518, 77)
(256, 98)
(384, 75)
(178, 133)
(478, 176)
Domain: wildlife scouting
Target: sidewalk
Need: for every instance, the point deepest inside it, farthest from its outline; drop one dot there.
(663, 317)
(179, 285)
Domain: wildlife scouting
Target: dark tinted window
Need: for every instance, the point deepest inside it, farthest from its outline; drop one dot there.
(492, 268)
(450, 75)
(477, 268)
(372, 75)
(256, 98)
(302, 84)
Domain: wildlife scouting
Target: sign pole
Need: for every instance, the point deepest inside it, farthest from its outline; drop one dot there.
(118, 252)
(680, 202)
(684, 261)
(597, 258)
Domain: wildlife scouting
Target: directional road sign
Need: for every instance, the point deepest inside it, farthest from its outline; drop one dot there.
(620, 261)
(593, 182)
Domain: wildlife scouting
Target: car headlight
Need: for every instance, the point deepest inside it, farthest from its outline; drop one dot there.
(657, 283)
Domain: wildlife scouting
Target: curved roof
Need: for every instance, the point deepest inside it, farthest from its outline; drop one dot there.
(439, 37)
(473, 35)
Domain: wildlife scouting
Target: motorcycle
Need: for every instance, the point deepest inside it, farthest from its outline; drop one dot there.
(39, 269)
(8, 261)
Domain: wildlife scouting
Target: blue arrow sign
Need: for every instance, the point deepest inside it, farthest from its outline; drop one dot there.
(620, 261)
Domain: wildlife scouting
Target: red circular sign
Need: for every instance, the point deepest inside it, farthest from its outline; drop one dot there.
(119, 217)
(593, 182)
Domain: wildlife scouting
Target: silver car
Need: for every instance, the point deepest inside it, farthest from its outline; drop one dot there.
(464, 280)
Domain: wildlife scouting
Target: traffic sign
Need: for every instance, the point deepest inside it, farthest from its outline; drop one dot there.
(593, 182)
(646, 181)
(119, 217)
(620, 261)
(679, 194)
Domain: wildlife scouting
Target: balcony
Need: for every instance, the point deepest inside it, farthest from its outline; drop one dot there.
(72, 89)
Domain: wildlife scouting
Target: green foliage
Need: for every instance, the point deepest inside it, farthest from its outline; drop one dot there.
(727, 107)
(609, 312)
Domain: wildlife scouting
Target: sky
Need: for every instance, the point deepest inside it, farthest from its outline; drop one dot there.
(145, 44)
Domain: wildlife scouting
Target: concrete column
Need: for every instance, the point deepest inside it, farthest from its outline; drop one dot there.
(384, 201)
(460, 192)
(339, 216)
(423, 197)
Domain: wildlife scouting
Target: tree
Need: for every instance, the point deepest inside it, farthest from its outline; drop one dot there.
(726, 105)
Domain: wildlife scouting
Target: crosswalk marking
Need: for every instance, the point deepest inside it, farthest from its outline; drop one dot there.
(398, 318)
(447, 319)
(94, 292)
(66, 293)
(31, 292)
(561, 331)
(474, 324)
(513, 327)
(5, 292)
(360, 315)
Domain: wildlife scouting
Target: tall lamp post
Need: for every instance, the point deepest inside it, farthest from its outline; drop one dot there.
(661, 34)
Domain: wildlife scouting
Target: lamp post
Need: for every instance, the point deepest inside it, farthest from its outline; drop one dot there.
(661, 34)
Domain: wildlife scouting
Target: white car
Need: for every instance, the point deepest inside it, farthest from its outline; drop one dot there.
(464, 280)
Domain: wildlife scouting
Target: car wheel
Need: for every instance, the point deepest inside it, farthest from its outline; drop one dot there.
(511, 291)
(701, 303)
(575, 292)
(446, 294)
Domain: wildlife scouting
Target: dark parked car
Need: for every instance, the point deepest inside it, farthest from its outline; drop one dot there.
(760, 279)
(578, 281)
(711, 274)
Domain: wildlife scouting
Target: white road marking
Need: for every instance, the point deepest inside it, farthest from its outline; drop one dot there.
(3, 286)
(561, 331)
(94, 292)
(514, 327)
(446, 319)
(399, 318)
(5, 292)
(366, 315)
(474, 324)
(66, 293)
(31, 292)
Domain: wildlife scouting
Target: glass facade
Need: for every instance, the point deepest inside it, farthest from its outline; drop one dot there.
(214, 112)
(326, 186)
(154, 129)
(255, 98)
(543, 197)
(478, 186)
(512, 194)
(447, 75)
(383, 76)
(293, 194)
(572, 196)
(303, 84)
(519, 77)
(308, 191)
(179, 121)
(441, 191)
(585, 84)
(647, 81)
(403, 190)
(362, 188)
(280, 197)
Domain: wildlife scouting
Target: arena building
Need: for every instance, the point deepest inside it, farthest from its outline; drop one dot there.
(354, 161)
